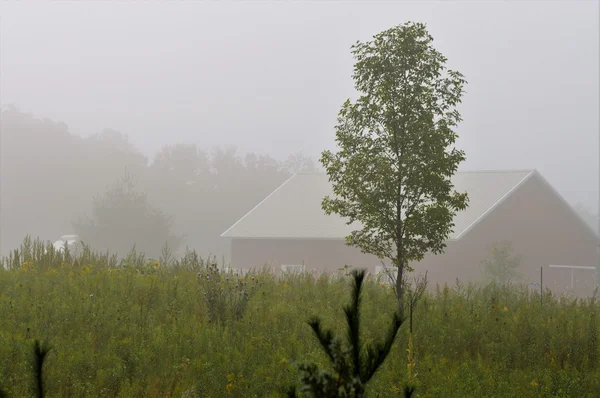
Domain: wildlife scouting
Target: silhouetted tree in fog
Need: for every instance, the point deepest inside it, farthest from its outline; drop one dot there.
(49, 174)
(298, 163)
(181, 164)
(123, 217)
(207, 192)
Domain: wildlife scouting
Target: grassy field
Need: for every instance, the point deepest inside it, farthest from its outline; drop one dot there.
(140, 328)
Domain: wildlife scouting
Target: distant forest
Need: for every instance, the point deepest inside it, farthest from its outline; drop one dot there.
(52, 181)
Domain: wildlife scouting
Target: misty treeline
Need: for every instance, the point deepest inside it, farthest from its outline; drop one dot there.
(101, 187)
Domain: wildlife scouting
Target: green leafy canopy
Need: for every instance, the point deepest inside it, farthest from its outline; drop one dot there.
(393, 170)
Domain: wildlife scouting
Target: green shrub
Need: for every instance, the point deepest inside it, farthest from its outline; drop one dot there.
(226, 294)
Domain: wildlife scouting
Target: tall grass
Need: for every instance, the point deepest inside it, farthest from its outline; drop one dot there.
(135, 327)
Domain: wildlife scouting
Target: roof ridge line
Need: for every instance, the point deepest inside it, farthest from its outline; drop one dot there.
(568, 206)
(259, 203)
(482, 171)
(498, 171)
(496, 204)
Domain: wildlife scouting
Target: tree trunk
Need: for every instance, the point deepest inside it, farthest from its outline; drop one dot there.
(400, 289)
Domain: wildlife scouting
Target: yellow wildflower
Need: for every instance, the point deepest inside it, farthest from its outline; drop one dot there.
(505, 308)
(534, 383)
(229, 387)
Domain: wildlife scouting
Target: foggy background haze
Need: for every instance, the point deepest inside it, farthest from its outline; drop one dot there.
(268, 78)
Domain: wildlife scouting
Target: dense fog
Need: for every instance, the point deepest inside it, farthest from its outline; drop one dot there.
(170, 121)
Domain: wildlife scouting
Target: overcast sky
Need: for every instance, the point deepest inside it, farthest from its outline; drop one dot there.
(271, 76)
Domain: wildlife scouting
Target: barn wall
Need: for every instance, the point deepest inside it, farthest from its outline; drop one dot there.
(322, 255)
(542, 231)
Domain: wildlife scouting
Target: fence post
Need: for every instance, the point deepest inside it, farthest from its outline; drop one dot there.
(542, 285)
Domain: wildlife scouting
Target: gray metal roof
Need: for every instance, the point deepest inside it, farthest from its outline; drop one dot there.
(293, 210)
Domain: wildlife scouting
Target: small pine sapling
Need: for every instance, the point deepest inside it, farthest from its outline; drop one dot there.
(355, 363)
(40, 352)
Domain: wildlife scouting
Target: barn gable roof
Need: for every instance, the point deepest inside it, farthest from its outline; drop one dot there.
(293, 210)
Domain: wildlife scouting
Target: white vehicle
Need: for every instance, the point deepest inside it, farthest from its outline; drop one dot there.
(66, 240)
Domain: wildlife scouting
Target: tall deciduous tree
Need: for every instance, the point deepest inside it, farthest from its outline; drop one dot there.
(396, 155)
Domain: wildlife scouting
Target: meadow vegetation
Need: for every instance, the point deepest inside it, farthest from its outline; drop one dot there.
(138, 327)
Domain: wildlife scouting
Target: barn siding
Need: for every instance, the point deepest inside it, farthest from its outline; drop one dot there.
(322, 255)
(533, 219)
(540, 229)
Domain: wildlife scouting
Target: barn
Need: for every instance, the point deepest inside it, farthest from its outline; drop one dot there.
(288, 229)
